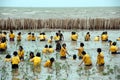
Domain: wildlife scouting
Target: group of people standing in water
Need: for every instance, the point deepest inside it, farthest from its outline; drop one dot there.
(18, 56)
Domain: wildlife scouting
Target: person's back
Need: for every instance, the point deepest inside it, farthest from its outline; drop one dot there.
(3, 46)
(33, 37)
(74, 37)
(45, 49)
(87, 36)
(11, 36)
(19, 36)
(50, 50)
(29, 36)
(113, 48)
(49, 63)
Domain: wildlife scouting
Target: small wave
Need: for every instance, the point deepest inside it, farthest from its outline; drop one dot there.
(32, 12)
(6, 13)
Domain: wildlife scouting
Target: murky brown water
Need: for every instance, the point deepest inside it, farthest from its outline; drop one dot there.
(63, 69)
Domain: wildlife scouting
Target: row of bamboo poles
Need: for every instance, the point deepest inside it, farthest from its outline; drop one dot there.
(94, 24)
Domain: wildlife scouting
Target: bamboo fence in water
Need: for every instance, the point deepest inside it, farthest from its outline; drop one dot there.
(90, 23)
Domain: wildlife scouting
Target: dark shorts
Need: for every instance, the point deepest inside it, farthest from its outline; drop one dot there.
(11, 39)
(33, 40)
(42, 40)
(113, 52)
(80, 57)
(63, 57)
(89, 65)
(2, 50)
(14, 66)
(101, 64)
(74, 40)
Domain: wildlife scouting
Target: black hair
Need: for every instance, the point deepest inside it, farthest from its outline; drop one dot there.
(29, 33)
(99, 50)
(83, 52)
(15, 53)
(63, 44)
(8, 56)
(52, 59)
(19, 33)
(38, 54)
(88, 33)
(46, 46)
(21, 47)
(74, 56)
(33, 34)
(43, 33)
(50, 46)
(31, 53)
(57, 34)
(81, 44)
(59, 31)
(11, 31)
(114, 43)
(5, 33)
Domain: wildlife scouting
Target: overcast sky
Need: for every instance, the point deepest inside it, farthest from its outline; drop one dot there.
(59, 3)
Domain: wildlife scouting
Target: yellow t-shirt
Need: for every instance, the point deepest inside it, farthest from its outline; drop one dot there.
(50, 50)
(3, 45)
(63, 52)
(80, 50)
(100, 59)
(7, 59)
(36, 61)
(15, 60)
(56, 38)
(74, 37)
(49, 41)
(33, 38)
(96, 39)
(118, 39)
(12, 35)
(45, 50)
(21, 53)
(29, 37)
(113, 48)
(48, 64)
(18, 38)
(87, 60)
(104, 37)
(87, 37)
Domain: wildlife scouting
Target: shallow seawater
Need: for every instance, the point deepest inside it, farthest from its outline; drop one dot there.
(62, 69)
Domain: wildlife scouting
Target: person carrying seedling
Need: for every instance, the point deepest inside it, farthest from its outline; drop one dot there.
(63, 52)
(100, 58)
(49, 63)
(80, 50)
(86, 59)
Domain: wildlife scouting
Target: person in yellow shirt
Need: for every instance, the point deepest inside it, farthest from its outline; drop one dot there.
(113, 49)
(49, 63)
(3, 45)
(11, 36)
(86, 59)
(45, 50)
(74, 36)
(36, 60)
(8, 58)
(15, 60)
(29, 36)
(21, 53)
(57, 37)
(87, 36)
(44, 35)
(104, 36)
(51, 39)
(100, 58)
(97, 38)
(118, 39)
(63, 51)
(80, 50)
(50, 50)
(19, 36)
(33, 37)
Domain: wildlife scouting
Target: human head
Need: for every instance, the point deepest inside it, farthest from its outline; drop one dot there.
(46, 46)
(51, 37)
(59, 31)
(50, 46)
(74, 56)
(88, 33)
(99, 50)
(19, 33)
(83, 52)
(31, 54)
(64, 45)
(57, 34)
(114, 43)
(4, 33)
(15, 53)
(20, 48)
(38, 54)
(32, 34)
(52, 59)
(11, 31)
(29, 33)
(81, 44)
(8, 56)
